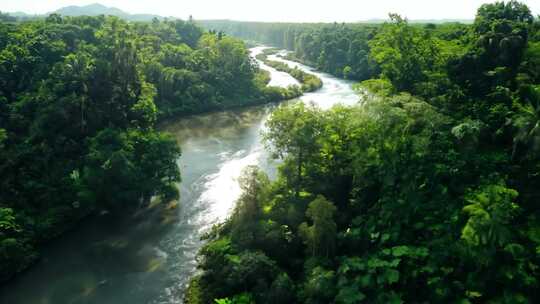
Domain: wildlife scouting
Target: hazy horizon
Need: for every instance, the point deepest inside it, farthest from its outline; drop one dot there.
(277, 10)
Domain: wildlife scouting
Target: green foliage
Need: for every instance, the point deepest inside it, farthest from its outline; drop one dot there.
(320, 237)
(145, 162)
(3, 137)
(380, 87)
(319, 286)
(292, 132)
(281, 290)
(404, 53)
(428, 196)
(79, 101)
(491, 209)
(16, 252)
(243, 298)
(501, 38)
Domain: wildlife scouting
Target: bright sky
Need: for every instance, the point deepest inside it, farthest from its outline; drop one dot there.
(276, 10)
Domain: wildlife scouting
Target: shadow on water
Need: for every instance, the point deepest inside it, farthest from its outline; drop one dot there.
(95, 257)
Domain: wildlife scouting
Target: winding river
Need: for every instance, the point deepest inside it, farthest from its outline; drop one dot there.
(149, 258)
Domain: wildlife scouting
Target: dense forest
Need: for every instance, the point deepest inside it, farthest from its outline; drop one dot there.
(79, 101)
(426, 192)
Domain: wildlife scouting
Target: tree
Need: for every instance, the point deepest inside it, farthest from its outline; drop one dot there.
(319, 286)
(248, 211)
(491, 210)
(527, 123)
(293, 131)
(512, 10)
(16, 252)
(129, 168)
(281, 290)
(320, 236)
(501, 32)
(3, 137)
(403, 52)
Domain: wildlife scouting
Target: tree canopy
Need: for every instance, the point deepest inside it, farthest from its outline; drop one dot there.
(425, 192)
(79, 101)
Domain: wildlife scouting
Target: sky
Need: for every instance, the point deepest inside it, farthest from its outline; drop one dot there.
(277, 10)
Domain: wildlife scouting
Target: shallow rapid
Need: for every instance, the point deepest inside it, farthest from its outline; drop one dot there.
(150, 257)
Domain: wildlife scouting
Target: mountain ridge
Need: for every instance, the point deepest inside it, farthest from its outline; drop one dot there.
(94, 9)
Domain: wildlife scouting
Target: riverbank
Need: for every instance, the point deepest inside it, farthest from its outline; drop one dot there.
(263, 91)
(272, 90)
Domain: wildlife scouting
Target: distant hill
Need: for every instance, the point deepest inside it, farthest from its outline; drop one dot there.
(14, 16)
(21, 15)
(97, 9)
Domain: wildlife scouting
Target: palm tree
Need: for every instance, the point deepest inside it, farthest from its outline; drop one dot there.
(527, 122)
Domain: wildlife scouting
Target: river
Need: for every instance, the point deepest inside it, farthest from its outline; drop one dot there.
(150, 257)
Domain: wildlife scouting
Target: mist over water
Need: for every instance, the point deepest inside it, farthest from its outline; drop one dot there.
(150, 257)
